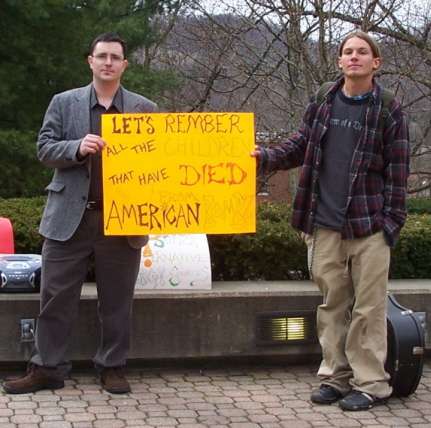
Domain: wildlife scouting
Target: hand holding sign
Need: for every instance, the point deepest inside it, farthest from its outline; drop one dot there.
(90, 145)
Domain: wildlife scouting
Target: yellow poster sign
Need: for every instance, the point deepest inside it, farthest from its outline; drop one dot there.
(168, 173)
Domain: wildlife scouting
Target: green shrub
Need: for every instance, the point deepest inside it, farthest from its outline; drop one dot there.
(419, 205)
(21, 172)
(25, 214)
(412, 254)
(275, 252)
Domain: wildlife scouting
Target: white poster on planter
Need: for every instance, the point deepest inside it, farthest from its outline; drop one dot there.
(175, 262)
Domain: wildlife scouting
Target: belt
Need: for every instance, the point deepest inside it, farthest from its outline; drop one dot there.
(93, 205)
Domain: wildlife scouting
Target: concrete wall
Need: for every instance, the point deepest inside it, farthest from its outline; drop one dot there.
(201, 324)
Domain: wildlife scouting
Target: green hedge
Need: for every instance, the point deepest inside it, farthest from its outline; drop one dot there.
(419, 205)
(25, 214)
(411, 256)
(21, 172)
(275, 252)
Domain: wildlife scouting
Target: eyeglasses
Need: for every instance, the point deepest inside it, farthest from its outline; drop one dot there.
(103, 57)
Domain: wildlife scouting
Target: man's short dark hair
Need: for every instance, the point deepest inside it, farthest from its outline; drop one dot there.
(108, 37)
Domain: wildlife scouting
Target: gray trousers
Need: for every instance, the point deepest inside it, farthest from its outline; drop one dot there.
(64, 269)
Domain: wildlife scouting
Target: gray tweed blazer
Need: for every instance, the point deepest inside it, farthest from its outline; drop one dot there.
(66, 122)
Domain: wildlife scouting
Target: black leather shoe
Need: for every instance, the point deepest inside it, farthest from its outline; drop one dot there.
(326, 394)
(357, 400)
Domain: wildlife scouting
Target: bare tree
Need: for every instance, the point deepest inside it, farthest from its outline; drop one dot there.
(270, 56)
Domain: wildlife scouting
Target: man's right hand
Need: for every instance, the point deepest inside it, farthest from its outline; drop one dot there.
(90, 144)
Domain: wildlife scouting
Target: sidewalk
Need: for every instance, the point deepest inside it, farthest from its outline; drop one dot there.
(267, 397)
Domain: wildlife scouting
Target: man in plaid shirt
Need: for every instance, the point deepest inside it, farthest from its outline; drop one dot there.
(350, 205)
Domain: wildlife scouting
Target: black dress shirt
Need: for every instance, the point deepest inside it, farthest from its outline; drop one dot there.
(96, 110)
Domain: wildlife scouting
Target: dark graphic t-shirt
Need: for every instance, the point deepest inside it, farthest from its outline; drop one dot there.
(338, 146)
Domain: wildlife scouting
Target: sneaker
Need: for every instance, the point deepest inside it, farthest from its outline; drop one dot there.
(36, 379)
(114, 381)
(357, 400)
(326, 394)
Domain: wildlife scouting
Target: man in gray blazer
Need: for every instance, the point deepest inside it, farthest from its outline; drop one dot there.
(72, 224)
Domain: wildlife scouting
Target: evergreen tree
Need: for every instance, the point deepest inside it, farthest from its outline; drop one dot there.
(44, 51)
(45, 45)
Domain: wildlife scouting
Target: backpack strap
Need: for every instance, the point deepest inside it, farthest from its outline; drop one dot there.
(323, 91)
(387, 98)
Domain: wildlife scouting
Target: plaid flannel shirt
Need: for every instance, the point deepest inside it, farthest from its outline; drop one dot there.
(378, 172)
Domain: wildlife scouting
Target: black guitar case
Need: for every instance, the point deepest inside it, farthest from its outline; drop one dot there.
(405, 348)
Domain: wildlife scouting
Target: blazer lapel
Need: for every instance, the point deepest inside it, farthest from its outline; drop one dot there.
(81, 112)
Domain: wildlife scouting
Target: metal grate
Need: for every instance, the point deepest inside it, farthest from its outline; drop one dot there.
(285, 328)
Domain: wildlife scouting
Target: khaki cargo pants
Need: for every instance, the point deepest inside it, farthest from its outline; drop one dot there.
(351, 322)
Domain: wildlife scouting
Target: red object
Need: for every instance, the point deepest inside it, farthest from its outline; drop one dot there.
(7, 245)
